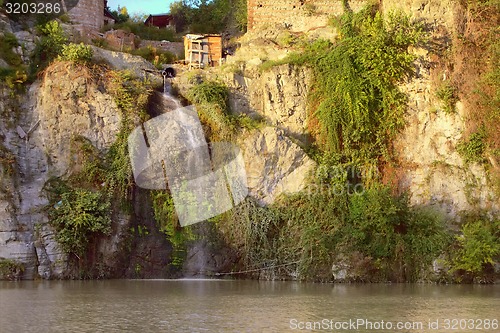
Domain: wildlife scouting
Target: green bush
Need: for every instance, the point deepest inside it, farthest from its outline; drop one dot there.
(211, 92)
(10, 269)
(361, 107)
(79, 217)
(155, 56)
(472, 150)
(7, 44)
(477, 245)
(401, 241)
(166, 219)
(144, 32)
(355, 95)
(447, 93)
(48, 47)
(14, 79)
(212, 101)
(78, 53)
(377, 235)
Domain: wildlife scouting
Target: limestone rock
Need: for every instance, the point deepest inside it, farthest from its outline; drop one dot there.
(52, 261)
(433, 171)
(274, 164)
(3, 64)
(436, 11)
(279, 95)
(70, 105)
(295, 15)
(27, 44)
(5, 25)
(139, 67)
(16, 228)
(52, 112)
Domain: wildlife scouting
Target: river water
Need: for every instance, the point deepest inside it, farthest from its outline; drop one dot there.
(244, 306)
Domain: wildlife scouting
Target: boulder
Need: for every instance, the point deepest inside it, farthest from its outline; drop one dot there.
(70, 105)
(137, 65)
(274, 164)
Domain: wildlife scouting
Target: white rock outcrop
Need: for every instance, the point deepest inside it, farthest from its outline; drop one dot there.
(274, 164)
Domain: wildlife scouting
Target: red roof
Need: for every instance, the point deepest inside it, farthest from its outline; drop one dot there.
(160, 21)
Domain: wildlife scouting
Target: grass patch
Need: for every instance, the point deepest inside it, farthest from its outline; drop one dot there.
(448, 94)
(144, 32)
(155, 56)
(212, 101)
(473, 149)
(10, 269)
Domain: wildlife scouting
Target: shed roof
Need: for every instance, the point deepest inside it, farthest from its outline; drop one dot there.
(159, 20)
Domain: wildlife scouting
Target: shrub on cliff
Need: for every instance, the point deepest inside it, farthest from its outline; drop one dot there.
(48, 47)
(355, 104)
(79, 217)
(155, 56)
(476, 249)
(8, 42)
(212, 101)
(143, 31)
(374, 235)
(10, 269)
(78, 53)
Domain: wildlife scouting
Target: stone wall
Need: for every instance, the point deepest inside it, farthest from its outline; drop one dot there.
(120, 40)
(88, 13)
(296, 15)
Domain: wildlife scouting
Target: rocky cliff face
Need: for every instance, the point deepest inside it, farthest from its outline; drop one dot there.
(70, 105)
(56, 110)
(274, 164)
(38, 130)
(279, 95)
(430, 168)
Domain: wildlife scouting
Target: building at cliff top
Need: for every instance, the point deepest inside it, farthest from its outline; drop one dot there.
(296, 15)
(161, 21)
(91, 14)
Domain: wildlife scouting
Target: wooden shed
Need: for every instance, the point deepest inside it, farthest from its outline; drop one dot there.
(203, 50)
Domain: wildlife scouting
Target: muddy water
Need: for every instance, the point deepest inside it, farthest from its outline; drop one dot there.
(244, 306)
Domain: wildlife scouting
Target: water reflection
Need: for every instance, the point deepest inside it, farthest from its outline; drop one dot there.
(228, 306)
